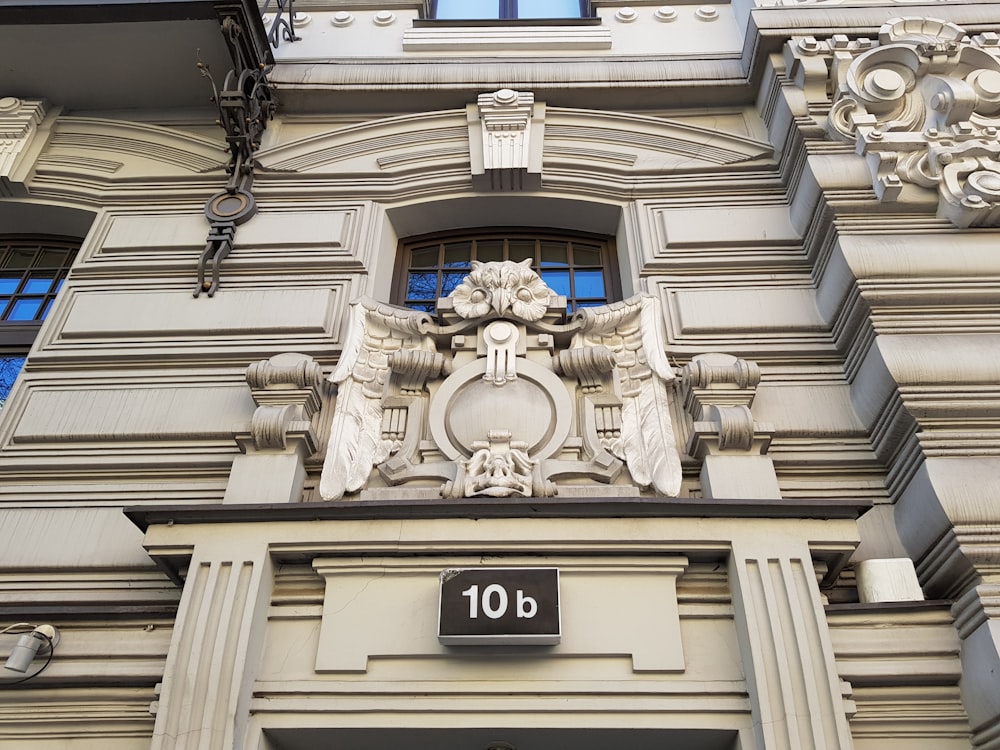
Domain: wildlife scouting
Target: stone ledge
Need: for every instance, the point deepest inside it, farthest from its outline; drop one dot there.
(596, 507)
(480, 38)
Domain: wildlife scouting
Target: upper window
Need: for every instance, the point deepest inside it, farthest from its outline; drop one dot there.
(580, 267)
(467, 10)
(32, 270)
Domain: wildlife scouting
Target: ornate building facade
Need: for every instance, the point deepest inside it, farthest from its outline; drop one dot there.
(546, 375)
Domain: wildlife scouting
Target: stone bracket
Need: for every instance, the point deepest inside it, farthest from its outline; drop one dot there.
(718, 392)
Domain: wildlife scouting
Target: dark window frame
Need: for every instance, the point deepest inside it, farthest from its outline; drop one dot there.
(17, 336)
(507, 10)
(605, 246)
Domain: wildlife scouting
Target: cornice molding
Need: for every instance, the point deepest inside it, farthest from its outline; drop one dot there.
(98, 148)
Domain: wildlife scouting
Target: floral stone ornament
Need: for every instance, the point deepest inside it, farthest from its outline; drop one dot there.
(501, 398)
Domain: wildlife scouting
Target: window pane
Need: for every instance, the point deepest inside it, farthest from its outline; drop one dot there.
(52, 258)
(20, 257)
(586, 255)
(8, 283)
(573, 267)
(449, 281)
(457, 255)
(554, 254)
(427, 307)
(518, 250)
(489, 250)
(547, 8)
(558, 281)
(25, 308)
(38, 284)
(467, 9)
(10, 366)
(422, 286)
(427, 258)
(589, 284)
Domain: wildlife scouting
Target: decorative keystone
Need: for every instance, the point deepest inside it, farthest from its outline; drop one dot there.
(719, 390)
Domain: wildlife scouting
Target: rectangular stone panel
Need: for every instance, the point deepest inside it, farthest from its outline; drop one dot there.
(627, 608)
(751, 310)
(134, 414)
(156, 314)
(729, 225)
(808, 409)
(263, 230)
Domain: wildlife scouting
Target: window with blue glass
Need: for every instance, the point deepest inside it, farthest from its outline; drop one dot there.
(470, 10)
(580, 267)
(31, 273)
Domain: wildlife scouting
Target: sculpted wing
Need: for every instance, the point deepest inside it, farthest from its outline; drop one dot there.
(356, 443)
(633, 331)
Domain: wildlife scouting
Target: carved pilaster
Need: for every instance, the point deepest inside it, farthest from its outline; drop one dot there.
(19, 125)
(922, 106)
(214, 652)
(796, 697)
(287, 391)
(506, 153)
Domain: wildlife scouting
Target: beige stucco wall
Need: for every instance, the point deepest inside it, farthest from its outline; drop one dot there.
(873, 325)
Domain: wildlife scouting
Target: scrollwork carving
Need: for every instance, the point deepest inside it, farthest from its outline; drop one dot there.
(286, 389)
(923, 107)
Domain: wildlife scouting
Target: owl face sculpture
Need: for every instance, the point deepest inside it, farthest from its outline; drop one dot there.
(506, 289)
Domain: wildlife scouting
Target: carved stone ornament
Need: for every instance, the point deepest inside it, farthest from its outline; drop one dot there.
(505, 150)
(286, 389)
(718, 391)
(20, 120)
(923, 107)
(499, 398)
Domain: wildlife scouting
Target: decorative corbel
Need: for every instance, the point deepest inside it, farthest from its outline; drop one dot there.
(719, 390)
(287, 391)
(246, 103)
(505, 138)
(20, 121)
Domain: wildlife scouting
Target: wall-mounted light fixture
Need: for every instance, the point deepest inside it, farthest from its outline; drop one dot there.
(34, 641)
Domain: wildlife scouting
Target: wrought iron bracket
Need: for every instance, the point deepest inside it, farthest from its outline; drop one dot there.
(283, 24)
(246, 104)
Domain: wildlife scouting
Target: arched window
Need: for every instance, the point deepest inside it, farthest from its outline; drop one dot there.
(32, 270)
(580, 267)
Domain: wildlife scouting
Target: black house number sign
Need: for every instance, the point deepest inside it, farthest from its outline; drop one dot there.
(498, 606)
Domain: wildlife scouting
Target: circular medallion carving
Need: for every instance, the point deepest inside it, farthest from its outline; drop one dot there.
(536, 409)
